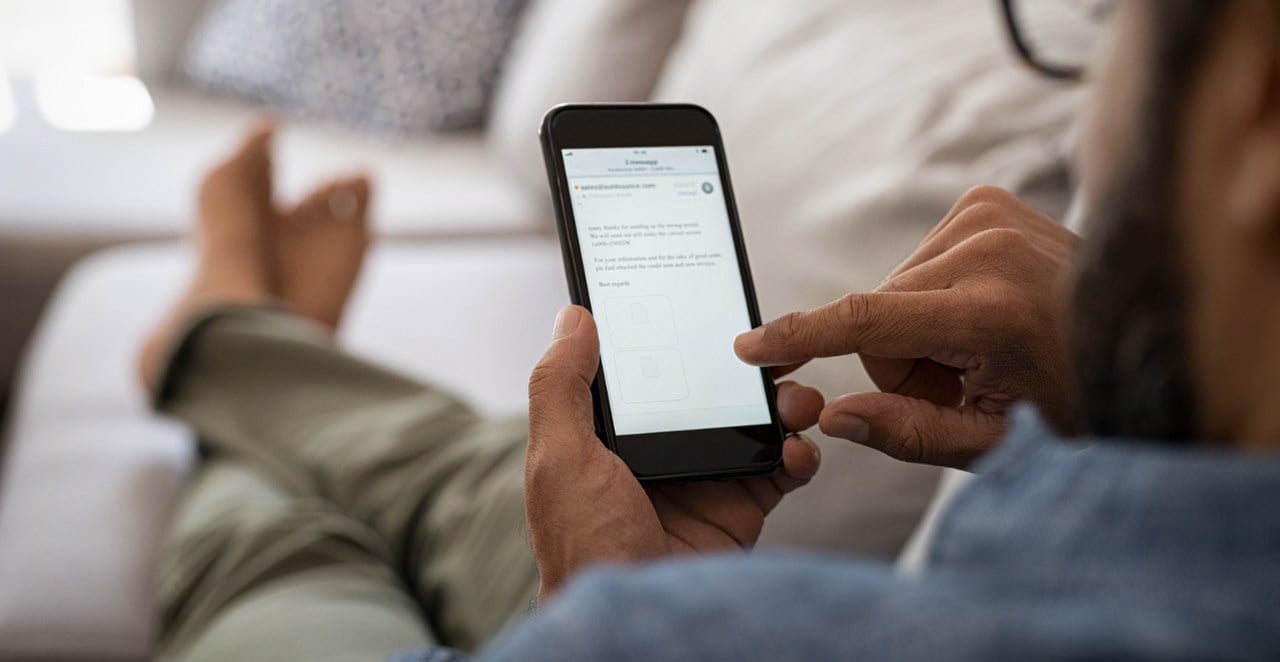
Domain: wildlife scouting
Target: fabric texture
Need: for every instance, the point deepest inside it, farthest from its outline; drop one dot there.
(394, 67)
(341, 511)
(577, 51)
(1059, 550)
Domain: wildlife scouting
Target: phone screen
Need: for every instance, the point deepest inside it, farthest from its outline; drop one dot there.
(666, 290)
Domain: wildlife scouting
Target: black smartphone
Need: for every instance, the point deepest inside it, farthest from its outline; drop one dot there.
(653, 248)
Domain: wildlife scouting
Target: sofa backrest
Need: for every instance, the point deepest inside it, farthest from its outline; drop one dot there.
(160, 29)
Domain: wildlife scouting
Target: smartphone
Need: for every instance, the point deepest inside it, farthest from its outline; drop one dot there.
(653, 248)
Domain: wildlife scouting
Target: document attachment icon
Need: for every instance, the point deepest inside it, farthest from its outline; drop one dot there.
(636, 322)
(651, 376)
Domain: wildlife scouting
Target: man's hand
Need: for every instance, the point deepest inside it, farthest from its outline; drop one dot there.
(968, 325)
(583, 505)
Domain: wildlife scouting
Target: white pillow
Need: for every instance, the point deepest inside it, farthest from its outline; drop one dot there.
(851, 127)
(577, 51)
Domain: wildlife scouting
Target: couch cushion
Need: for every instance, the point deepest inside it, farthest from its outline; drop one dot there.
(577, 51)
(89, 476)
(851, 128)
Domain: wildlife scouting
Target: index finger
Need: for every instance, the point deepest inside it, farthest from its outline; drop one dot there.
(897, 325)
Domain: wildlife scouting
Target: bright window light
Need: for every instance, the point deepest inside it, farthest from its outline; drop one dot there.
(78, 57)
(85, 102)
(93, 36)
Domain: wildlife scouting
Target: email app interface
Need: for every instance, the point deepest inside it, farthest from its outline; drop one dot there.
(665, 288)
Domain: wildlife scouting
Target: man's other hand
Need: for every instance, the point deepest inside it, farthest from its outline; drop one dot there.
(968, 325)
(583, 506)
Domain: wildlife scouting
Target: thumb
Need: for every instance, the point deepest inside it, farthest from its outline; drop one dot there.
(560, 411)
(913, 430)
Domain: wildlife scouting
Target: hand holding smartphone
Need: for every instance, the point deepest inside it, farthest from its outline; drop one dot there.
(653, 248)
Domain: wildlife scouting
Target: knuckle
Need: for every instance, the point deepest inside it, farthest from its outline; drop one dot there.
(906, 440)
(544, 378)
(985, 194)
(976, 218)
(549, 383)
(855, 311)
(1002, 242)
(998, 257)
(903, 282)
(534, 467)
(992, 302)
(1004, 310)
(785, 330)
(540, 468)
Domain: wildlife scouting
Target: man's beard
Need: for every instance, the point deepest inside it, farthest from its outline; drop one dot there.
(1128, 333)
(1127, 337)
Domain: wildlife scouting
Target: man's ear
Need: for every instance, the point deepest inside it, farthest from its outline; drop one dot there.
(1253, 189)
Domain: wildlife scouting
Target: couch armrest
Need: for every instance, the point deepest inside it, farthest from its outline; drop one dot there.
(90, 475)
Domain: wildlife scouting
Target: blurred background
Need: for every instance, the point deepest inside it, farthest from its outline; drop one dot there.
(851, 126)
(68, 65)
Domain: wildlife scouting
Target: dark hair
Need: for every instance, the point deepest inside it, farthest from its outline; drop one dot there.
(1129, 329)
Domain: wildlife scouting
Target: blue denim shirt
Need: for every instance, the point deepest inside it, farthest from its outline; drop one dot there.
(1059, 550)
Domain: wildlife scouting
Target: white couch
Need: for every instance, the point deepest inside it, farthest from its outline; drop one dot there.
(851, 126)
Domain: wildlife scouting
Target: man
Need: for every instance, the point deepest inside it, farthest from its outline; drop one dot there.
(1150, 536)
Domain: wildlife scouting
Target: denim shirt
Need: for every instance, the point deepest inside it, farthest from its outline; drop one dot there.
(1059, 550)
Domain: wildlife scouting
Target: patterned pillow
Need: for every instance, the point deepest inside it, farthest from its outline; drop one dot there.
(393, 67)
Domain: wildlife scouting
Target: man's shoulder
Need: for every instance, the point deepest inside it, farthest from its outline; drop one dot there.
(798, 607)
(718, 607)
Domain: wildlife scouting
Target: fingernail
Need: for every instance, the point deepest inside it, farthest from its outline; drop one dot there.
(848, 426)
(566, 322)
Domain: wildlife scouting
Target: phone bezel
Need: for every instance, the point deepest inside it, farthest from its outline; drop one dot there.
(682, 454)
